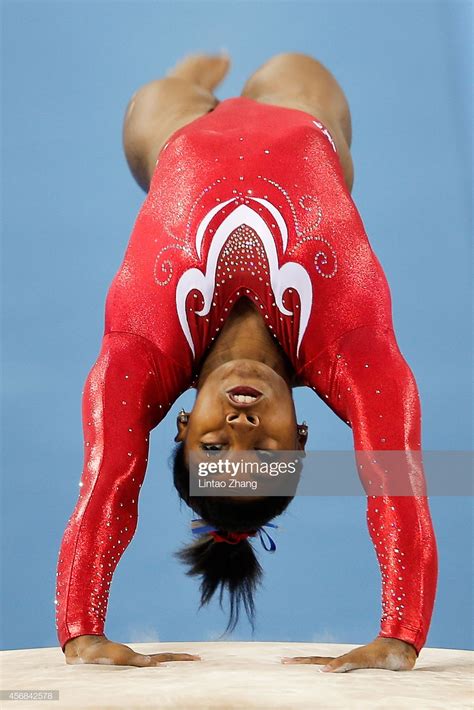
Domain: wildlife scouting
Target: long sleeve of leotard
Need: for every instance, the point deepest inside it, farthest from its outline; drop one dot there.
(127, 392)
(365, 379)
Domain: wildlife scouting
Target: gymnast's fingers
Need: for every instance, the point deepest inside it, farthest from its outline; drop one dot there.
(319, 660)
(156, 659)
(166, 657)
(347, 662)
(362, 657)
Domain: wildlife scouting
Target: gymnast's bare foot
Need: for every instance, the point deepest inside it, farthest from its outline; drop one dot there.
(206, 70)
(98, 649)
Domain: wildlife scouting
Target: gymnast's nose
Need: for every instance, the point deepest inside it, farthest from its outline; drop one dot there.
(242, 421)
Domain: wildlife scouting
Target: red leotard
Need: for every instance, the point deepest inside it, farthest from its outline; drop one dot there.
(248, 200)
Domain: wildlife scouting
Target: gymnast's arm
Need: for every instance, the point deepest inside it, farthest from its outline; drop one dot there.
(367, 382)
(127, 392)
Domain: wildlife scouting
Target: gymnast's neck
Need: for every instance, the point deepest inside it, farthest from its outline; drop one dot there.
(245, 336)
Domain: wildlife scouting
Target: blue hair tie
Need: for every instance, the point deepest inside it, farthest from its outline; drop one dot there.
(201, 527)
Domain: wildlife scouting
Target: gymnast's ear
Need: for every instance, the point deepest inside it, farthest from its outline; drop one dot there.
(182, 424)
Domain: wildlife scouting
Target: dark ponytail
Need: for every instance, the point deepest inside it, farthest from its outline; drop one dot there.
(224, 567)
(221, 566)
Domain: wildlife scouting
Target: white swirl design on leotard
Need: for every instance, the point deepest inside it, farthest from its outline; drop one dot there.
(321, 259)
(289, 275)
(298, 230)
(316, 207)
(198, 200)
(166, 266)
(287, 198)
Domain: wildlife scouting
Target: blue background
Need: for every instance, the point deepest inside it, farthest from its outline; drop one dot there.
(69, 206)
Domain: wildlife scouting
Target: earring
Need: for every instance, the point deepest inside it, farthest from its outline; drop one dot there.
(303, 429)
(183, 417)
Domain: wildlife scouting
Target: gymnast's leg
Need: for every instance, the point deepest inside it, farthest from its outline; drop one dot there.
(161, 107)
(295, 80)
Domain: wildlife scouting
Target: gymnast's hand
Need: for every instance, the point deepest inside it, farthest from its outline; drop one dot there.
(389, 653)
(98, 649)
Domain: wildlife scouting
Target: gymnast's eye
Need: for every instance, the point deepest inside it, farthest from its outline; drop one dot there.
(263, 453)
(212, 447)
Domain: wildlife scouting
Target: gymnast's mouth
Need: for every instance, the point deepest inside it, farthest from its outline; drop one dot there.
(243, 395)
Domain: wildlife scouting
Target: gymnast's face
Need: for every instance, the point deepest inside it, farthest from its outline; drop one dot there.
(242, 405)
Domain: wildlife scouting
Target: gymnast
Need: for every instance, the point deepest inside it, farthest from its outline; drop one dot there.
(248, 273)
